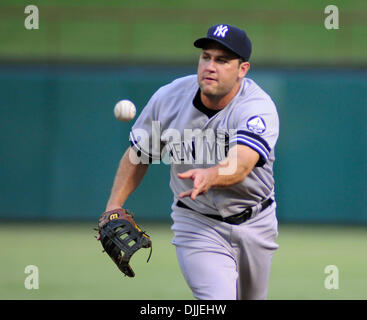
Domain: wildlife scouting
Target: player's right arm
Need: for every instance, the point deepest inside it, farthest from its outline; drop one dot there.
(129, 175)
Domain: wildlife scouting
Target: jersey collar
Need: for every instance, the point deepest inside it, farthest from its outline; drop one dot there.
(198, 104)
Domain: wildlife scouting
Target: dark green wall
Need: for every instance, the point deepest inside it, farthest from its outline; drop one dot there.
(60, 143)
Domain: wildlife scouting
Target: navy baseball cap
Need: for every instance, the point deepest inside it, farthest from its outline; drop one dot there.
(230, 37)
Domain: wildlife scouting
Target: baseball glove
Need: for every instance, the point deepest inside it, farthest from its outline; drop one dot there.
(121, 238)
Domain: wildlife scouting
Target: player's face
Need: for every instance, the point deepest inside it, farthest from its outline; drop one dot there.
(219, 72)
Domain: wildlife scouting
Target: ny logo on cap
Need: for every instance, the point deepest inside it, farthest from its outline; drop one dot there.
(221, 31)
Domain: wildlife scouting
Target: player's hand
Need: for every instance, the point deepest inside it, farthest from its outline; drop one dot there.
(203, 180)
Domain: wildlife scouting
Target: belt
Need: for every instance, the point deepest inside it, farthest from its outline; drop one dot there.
(235, 219)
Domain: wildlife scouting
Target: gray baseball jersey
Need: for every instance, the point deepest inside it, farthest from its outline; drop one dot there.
(176, 124)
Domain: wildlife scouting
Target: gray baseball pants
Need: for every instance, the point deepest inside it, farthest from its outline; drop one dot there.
(220, 261)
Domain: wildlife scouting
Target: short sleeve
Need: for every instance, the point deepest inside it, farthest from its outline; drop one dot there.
(257, 126)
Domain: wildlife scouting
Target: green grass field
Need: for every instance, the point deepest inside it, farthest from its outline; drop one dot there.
(72, 266)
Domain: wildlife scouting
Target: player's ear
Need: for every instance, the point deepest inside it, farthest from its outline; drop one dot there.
(244, 67)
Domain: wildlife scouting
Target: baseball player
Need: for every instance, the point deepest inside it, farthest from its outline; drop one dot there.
(218, 129)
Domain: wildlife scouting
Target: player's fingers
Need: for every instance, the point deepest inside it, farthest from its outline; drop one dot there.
(185, 194)
(187, 174)
(200, 189)
(195, 193)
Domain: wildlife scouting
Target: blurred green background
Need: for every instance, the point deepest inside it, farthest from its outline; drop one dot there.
(60, 144)
(145, 31)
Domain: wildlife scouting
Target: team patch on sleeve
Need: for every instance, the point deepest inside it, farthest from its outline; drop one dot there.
(256, 125)
(253, 141)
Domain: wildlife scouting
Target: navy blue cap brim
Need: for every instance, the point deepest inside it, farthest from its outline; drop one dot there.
(200, 43)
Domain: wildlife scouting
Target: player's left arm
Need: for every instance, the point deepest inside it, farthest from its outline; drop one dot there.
(239, 162)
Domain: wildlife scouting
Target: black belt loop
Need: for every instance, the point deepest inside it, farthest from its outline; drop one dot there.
(235, 219)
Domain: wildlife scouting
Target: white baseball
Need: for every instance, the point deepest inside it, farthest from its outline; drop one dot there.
(124, 110)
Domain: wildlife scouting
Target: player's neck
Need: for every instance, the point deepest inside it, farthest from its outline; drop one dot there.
(219, 102)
